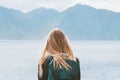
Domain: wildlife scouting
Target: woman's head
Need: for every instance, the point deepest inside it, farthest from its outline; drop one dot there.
(58, 47)
(57, 43)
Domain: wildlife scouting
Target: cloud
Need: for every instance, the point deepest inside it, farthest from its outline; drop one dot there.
(112, 5)
(60, 5)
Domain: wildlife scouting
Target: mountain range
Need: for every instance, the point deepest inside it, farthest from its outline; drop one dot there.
(80, 22)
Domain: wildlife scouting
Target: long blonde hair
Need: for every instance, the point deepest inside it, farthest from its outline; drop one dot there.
(58, 47)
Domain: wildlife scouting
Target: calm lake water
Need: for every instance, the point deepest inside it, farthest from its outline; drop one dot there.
(99, 60)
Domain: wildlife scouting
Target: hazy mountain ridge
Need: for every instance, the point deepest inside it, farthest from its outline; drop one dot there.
(79, 22)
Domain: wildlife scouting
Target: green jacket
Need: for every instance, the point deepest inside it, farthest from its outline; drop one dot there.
(50, 73)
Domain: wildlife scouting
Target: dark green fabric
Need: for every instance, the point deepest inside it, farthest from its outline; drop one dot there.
(45, 69)
(50, 73)
(62, 73)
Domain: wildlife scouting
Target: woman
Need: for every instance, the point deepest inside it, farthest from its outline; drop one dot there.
(57, 61)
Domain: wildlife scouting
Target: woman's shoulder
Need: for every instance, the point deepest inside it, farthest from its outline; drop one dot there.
(49, 58)
(73, 63)
(77, 59)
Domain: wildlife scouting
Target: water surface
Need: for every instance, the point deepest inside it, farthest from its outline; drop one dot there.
(99, 60)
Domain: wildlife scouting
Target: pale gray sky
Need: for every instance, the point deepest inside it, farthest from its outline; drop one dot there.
(60, 5)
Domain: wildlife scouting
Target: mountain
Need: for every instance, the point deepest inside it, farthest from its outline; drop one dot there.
(87, 23)
(79, 22)
(18, 25)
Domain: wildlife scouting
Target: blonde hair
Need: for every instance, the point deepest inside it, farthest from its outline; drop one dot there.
(58, 47)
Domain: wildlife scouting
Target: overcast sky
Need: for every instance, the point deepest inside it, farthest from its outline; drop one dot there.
(60, 5)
